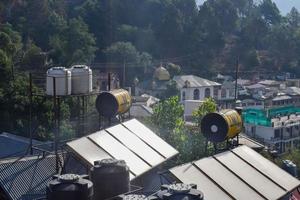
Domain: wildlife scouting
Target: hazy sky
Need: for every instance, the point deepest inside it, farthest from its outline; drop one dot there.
(284, 5)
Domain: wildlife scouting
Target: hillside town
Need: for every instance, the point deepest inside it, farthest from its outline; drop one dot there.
(149, 100)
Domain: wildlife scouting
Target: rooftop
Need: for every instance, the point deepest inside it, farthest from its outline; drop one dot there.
(131, 141)
(13, 146)
(256, 86)
(292, 91)
(194, 81)
(240, 173)
(26, 178)
(269, 82)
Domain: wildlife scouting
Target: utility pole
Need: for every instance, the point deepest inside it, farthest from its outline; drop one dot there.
(124, 73)
(236, 78)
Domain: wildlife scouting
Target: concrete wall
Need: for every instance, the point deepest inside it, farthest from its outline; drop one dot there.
(189, 107)
(263, 132)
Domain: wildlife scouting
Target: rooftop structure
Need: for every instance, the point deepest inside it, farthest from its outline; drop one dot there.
(264, 117)
(193, 81)
(240, 173)
(161, 74)
(131, 141)
(269, 83)
(13, 146)
(26, 178)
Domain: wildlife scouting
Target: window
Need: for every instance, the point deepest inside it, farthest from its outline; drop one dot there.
(196, 94)
(207, 92)
(183, 96)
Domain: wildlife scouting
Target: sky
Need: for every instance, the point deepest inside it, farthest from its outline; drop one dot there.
(284, 5)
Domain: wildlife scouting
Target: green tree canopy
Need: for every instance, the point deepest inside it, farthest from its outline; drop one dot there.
(208, 106)
(73, 44)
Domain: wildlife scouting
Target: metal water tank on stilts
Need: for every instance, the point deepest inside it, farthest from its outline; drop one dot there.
(82, 79)
(62, 77)
(110, 178)
(112, 103)
(69, 186)
(219, 126)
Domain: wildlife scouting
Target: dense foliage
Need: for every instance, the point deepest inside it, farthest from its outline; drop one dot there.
(203, 40)
(167, 120)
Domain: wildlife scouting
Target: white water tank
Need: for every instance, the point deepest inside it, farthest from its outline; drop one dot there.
(62, 78)
(82, 79)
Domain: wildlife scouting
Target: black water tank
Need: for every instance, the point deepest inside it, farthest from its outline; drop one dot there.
(69, 186)
(180, 191)
(110, 178)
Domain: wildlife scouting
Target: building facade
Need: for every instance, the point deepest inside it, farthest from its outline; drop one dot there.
(277, 128)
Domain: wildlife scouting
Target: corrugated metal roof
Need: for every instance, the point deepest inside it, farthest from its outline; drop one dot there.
(240, 173)
(282, 97)
(293, 91)
(269, 82)
(131, 141)
(255, 86)
(14, 146)
(26, 178)
(194, 81)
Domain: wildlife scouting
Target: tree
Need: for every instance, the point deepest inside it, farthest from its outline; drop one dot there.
(208, 106)
(293, 18)
(73, 44)
(168, 123)
(173, 69)
(146, 61)
(123, 52)
(134, 62)
(33, 58)
(171, 90)
(166, 115)
(270, 12)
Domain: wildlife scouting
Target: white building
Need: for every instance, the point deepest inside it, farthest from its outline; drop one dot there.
(195, 88)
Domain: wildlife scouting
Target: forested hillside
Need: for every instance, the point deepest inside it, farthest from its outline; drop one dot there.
(35, 35)
(211, 36)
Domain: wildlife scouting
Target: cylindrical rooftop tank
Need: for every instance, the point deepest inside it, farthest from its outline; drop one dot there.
(110, 178)
(180, 191)
(219, 126)
(82, 79)
(114, 102)
(69, 186)
(62, 78)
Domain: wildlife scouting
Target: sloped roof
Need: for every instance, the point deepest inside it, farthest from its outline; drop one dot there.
(255, 86)
(13, 145)
(293, 91)
(242, 81)
(194, 81)
(281, 97)
(131, 141)
(240, 173)
(26, 178)
(268, 82)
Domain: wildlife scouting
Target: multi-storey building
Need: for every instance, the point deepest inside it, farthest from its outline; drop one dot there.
(278, 128)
